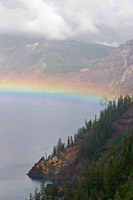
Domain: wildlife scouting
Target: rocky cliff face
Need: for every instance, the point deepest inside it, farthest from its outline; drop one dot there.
(62, 167)
(58, 166)
(116, 71)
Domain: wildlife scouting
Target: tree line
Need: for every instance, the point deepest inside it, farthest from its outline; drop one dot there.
(101, 128)
(108, 179)
(112, 180)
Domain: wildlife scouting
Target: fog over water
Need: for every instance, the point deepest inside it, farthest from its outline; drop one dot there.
(28, 130)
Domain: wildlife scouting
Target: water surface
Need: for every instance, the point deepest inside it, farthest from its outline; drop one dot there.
(29, 129)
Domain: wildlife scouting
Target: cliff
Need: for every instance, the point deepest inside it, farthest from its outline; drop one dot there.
(59, 166)
(113, 74)
(64, 165)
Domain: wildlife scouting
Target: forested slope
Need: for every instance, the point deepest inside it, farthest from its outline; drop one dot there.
(98, 162)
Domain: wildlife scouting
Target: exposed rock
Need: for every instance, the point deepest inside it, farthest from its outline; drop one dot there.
(54, 166)
(114, 73)
(62, 167)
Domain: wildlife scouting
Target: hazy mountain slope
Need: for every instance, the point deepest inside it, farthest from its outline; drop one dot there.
(115, 71)
(71, 65)
(66, 56)
(51, 56)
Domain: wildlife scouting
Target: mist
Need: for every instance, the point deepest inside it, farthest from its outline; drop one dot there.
(108, 22)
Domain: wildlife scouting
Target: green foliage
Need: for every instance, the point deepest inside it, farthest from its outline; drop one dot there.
(69, 56)
(104, 181)
(31, 197)
(68, 142)
(36, 195)
(98, 131)
(107, 180)
(126, 191)
(110, 179)
(102, 129)
(42, 192)
(117, 196)
(58, 148)
(54, 191)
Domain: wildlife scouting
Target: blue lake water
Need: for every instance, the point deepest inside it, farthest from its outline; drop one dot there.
(28, 130)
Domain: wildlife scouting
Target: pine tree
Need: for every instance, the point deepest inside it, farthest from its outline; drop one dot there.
(54, 191)
(117, 196)
(31, 197)
(71, 141)
(42, 191)
(68, 141)
(36, 195)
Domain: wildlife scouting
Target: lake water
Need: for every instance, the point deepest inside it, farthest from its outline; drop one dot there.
(28, 129)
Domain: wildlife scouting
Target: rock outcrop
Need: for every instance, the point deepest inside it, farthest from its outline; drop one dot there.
(57, 166)
(115, 72)
(63, 167)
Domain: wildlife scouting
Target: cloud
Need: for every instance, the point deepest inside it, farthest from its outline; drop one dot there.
(97, 21)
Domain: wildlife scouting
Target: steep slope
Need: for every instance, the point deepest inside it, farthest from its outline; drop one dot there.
(50, 56)
(116, 71)
(93, 142)
(112, 179)
(70, 66)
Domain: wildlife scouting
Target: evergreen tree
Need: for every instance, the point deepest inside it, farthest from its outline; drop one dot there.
(31, 197)
(105, 179)
(54, 191)
(68, 141)
(117, 196)
(71, 141)
(42, 192)
(36, 195)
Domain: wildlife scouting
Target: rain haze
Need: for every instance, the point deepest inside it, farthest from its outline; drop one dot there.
(55, 80)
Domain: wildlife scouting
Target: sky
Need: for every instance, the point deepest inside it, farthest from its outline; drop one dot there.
(103, 21)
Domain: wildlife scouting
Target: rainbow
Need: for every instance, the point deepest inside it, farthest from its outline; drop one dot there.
(44, 91)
